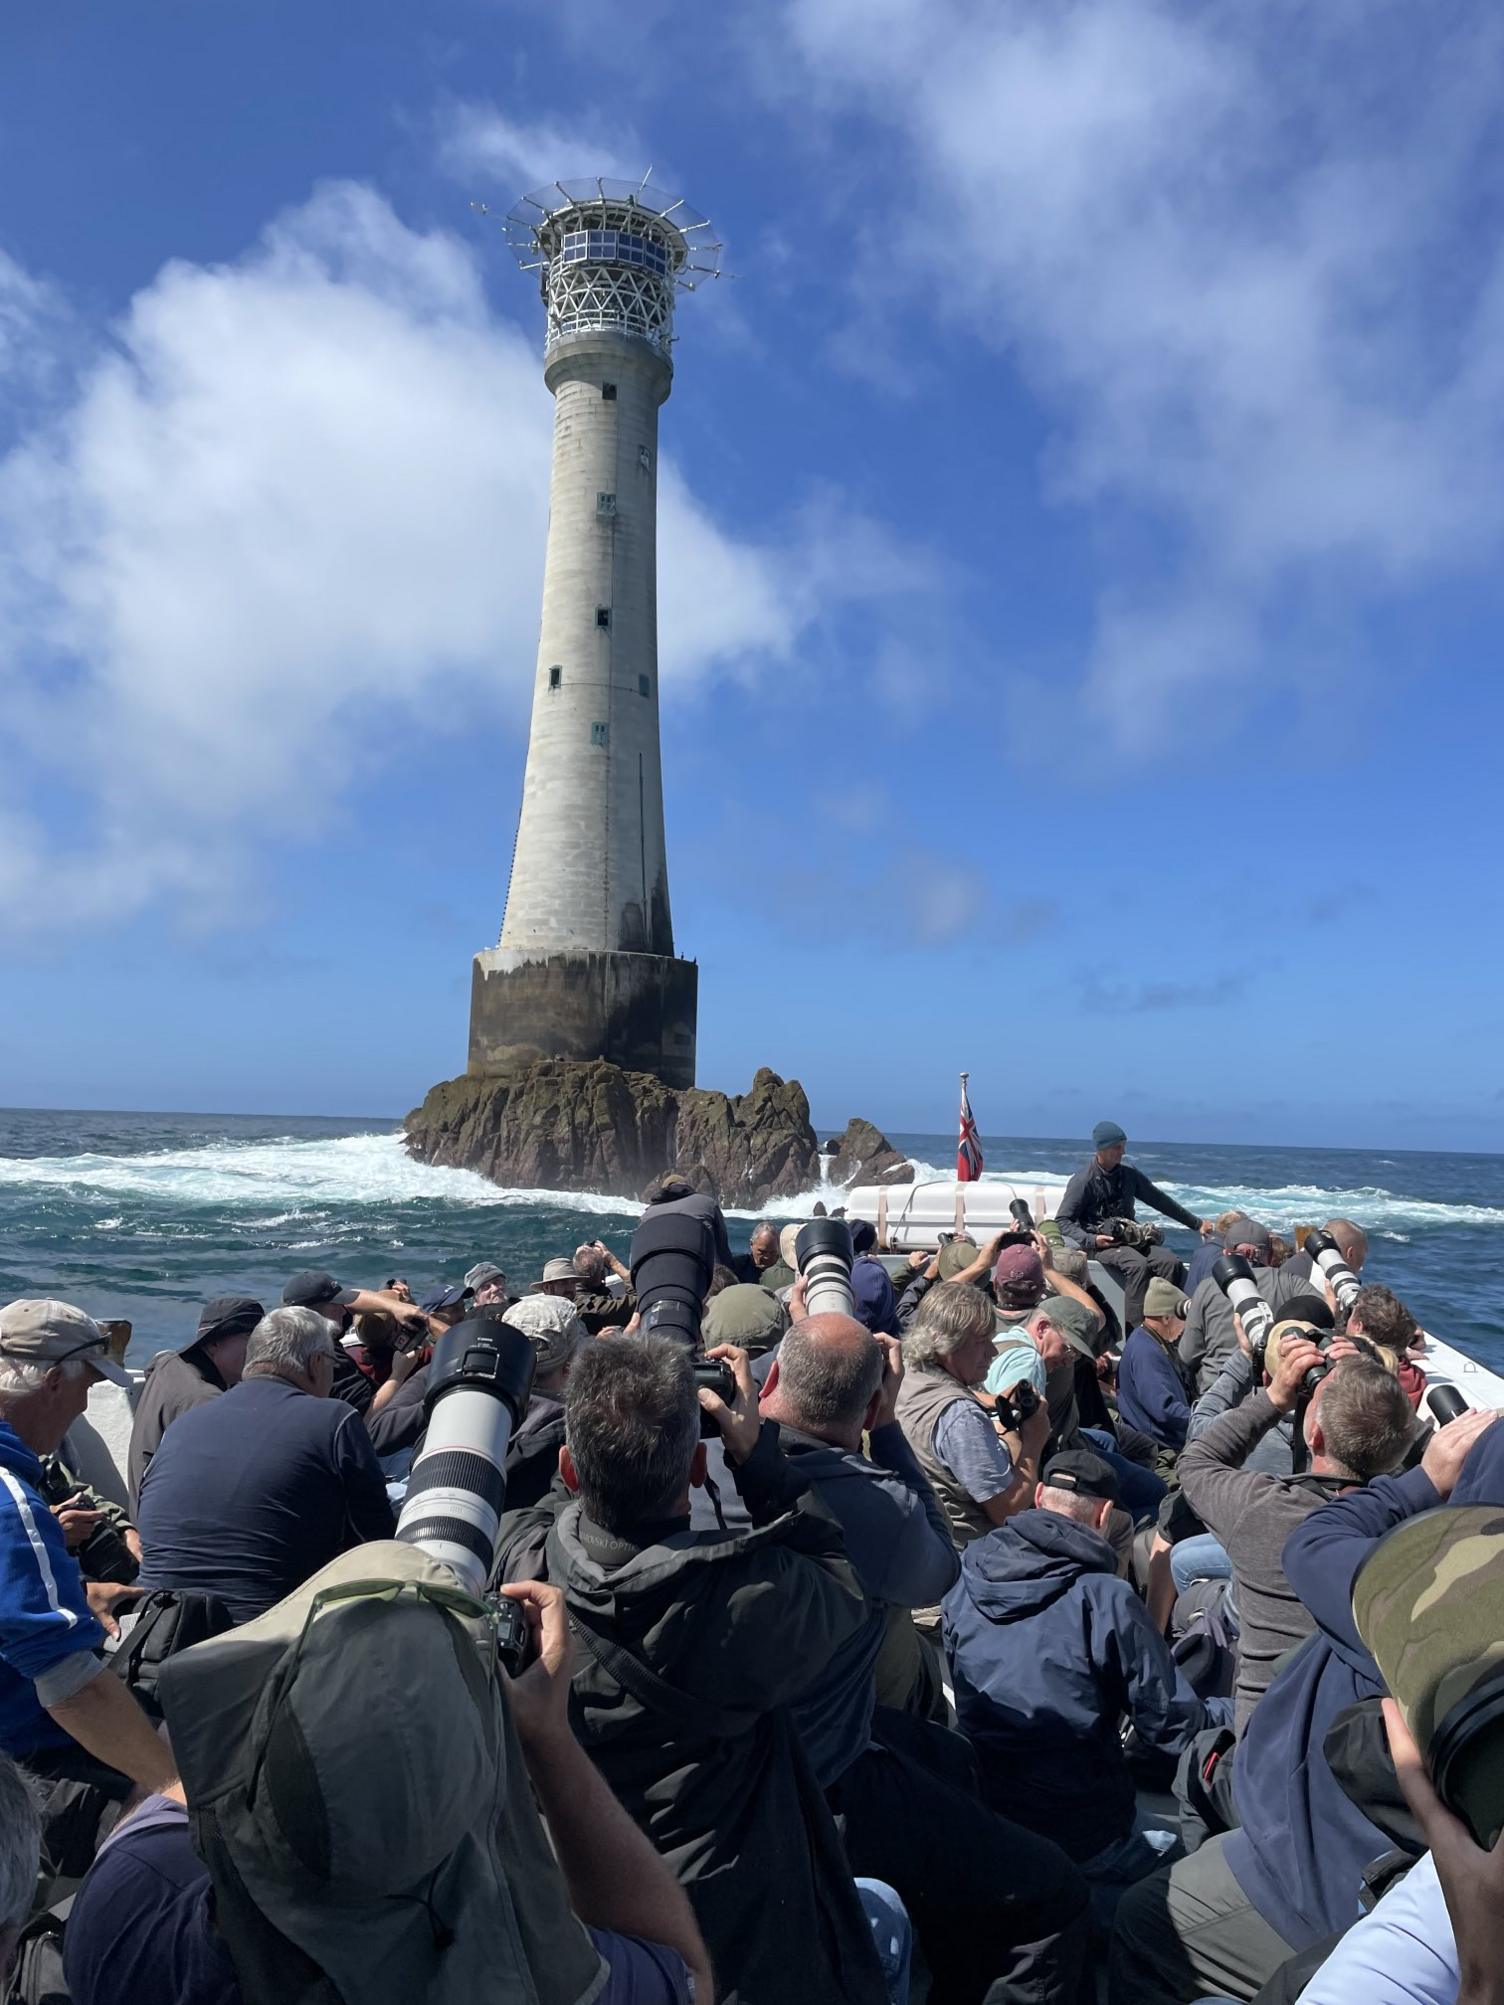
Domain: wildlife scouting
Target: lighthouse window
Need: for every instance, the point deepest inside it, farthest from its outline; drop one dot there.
(643, 685)
(555, 676)
(608, 393)
(644, 459)
(603, 616)
(605, 504)
(600, 734)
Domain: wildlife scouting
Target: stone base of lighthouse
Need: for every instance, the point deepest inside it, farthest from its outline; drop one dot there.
(635, 1010)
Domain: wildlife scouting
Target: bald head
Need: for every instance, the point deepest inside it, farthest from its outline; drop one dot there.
(1352, 1241)
(829, 1371)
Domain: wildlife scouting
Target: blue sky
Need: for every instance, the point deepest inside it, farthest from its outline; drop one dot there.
(1080, 582)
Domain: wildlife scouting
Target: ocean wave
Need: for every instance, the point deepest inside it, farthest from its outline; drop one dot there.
(292, 1182)
(284, 1179)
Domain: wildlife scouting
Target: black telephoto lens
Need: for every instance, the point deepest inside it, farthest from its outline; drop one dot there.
(1022, 1214)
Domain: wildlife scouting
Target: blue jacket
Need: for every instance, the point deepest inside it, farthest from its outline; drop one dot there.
(44, 1612)
(1048, 1648)
(1152, 1391)
(1302, 1847)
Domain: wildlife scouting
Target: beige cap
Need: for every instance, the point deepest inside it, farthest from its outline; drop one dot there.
(556, 1270)
(551, 1326)
(38, 1332)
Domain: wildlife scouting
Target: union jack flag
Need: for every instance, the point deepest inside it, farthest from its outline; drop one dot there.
(969, 1147)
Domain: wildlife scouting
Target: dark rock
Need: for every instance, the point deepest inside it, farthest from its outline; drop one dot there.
(564, 1124)
(864, 1155)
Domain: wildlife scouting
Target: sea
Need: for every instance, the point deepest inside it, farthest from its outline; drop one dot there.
(144, 1216)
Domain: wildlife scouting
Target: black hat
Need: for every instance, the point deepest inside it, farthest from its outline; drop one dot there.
(1079, 1470)
(226, 1316)
(1312, 1309)
(313, 1290)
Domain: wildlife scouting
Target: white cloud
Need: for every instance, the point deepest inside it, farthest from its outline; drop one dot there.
(479, 143)
(1242, 257)
(291, 512)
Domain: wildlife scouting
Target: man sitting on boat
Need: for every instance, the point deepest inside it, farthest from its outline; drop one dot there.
(1049, 1650)
(1099, 1203)
(1152, 1391)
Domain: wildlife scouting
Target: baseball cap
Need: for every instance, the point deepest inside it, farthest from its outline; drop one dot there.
(551, 1326)
(1018, 1267)
(315, 1290)
(225, 1316)
(1310, 1309)
(556, 1270)
(1079, 1470)
(1074, 1321)
(481, 1273)
(1247, 1232)
(1163, 1298)
(44, 1332)
(443, 1298)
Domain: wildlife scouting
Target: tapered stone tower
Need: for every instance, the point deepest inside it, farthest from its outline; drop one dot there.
(585, 967)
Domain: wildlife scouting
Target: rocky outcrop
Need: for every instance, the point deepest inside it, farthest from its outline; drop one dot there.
(576, 1125)
(864, 1155)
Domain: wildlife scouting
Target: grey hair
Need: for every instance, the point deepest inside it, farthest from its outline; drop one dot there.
(287, 1340)
(20, 1843)
(590, 1264)
(632, 1424)
(764, 1228)
(1070, 1504)
(828, 1385)
(951, 1314)
(20, 1377)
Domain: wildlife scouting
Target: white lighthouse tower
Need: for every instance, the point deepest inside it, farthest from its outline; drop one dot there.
(585, 966)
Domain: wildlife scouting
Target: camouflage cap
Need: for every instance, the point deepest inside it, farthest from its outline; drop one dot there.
(955, 1256)
(1429, 1603)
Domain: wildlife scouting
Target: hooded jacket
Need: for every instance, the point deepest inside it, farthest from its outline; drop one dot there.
(175, 1382)
(691, 1649)
(1303, 1844)
(1048, 1649)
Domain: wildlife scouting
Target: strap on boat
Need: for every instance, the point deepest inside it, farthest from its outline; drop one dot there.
(882, 1218)
(960, 1211)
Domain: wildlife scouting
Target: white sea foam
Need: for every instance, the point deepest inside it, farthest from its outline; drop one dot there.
(286, 1177)
(286, 1180)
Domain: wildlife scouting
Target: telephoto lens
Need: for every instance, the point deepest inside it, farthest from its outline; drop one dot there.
(1234, 1277)
(1022, 1214)
(1340, 1278)
(1429, 1603)
(822, 1253)
(478, 1388)
(672, 1260)
(1445, 1403)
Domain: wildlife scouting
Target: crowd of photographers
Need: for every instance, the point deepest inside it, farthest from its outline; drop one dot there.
(812, 1623)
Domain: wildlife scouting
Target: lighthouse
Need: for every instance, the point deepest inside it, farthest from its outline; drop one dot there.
(585, 965)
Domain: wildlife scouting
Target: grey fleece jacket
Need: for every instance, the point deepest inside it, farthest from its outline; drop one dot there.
(1253, 1514)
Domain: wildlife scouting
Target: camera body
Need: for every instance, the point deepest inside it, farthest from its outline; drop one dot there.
(1018, 1404)
(1131, 1232)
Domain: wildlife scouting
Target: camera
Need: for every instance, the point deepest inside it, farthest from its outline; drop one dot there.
(1234, 1277)
(104, 1555)
(1022, 1216)
(1340, 1278)
(1297, 1329)
(822, 1253)
(1018, 1404)
(479, 1384)
(1129, 1232)
(672, 1260)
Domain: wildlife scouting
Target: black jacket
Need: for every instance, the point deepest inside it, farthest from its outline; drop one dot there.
(1094, 1195)
(691, 1649)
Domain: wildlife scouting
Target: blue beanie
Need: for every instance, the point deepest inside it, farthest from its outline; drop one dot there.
(1107, 1135)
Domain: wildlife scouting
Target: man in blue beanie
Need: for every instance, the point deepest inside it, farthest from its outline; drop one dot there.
(1099, 1201)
